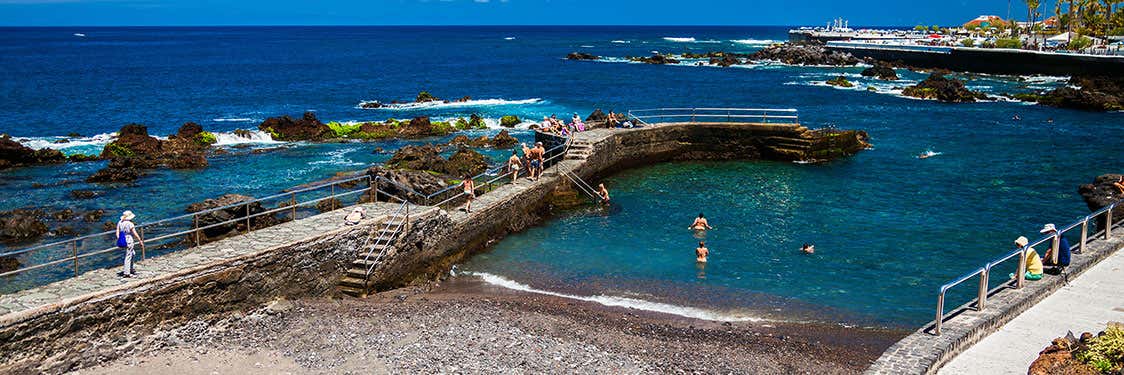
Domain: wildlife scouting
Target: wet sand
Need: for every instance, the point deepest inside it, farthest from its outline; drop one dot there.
(466, 326)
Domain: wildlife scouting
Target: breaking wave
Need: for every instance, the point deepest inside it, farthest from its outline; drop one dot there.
(614, 301)
(444, 105)
(755, 42)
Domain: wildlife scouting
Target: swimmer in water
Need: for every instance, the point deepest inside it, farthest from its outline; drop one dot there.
(700, 223)
(923, 155)
(808, 249)
(603, 193)
(701, 252)
(1016, 117)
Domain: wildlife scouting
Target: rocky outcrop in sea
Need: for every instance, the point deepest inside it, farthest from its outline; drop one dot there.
(655, 59)
(581, 56)
(428, 158)
(241, 205)
(134, 151)
(804, 54)
(944, 89)
(881, 71)
(307, 128)
(1092, 94)
(14, 154)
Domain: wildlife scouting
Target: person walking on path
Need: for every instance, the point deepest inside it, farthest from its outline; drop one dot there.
(537, 154)
(127, 238)
(513, 164)
(469, 191)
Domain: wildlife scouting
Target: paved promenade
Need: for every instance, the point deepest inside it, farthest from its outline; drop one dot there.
(101, 281)
(1086, 304)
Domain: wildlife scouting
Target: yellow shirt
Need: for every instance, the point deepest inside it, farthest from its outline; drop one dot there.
(1033, 262)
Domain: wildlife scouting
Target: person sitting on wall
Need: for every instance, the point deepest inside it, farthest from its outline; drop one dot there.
(1033, 261)
(577, 123)
(355, 216)
(1063, 250)
(612, 121)
(1119, 184)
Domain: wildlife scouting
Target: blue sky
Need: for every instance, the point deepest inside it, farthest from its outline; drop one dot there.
(496, 12)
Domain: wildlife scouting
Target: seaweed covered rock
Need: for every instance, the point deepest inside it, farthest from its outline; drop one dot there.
(422, 127)
(804, 54)
(307, 128)
(509, 121)
(420, 158)
(944, 89)
(14, 154)
(840, 81)
(504, 140)
(119, 170)
(134, 150)
(1093, 94)
(581, 56)
(880, 71)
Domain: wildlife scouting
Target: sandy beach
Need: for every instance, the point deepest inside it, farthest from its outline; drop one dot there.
(467, 327)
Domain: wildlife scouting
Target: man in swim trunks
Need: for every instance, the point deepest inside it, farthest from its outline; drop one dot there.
(701, 252)
(700, 223)
(513, 164)
(469, 192)
(537, 160)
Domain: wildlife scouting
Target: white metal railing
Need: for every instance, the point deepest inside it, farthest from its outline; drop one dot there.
(984, 272)
(702, 115)
(386, 236)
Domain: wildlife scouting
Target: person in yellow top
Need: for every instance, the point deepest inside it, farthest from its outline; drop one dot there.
(1033, 261)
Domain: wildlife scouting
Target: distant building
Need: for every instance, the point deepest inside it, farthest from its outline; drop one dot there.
(984, 22)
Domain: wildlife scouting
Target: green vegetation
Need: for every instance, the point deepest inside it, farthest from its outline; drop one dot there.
(1104, 352)
(840, 81)
(509, 121)
(920, 28)
(118, 151)
(273, 134)
(1009, 43)
(425, 96)
(206, 138)
(1079, 43)
(476, 122)
(443, 127)
(968, 42)
(935, 28)
(344, 130)
(987, 44)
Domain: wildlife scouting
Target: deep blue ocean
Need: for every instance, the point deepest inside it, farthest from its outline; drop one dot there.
(889, 228)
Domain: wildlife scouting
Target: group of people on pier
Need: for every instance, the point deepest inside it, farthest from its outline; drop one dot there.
(555, 126)
(1056, 257)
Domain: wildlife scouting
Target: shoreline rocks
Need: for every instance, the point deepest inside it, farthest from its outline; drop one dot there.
(655, 59)
(881, 71)
(307, 128)
(804, 54)
(1102, 193)
(581, 56)
(1095, 94)
(232, 213)
(840, 81)
(134, 151)
(13, 154)
(941, 88)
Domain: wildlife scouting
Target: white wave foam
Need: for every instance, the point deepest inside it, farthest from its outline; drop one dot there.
(632, 303)
(621, 41)
(232, 119)
(679, 40)
(255, 136)
(585, 46)
(509, 38)
(40, 143)
(755, 42)
(464, 104)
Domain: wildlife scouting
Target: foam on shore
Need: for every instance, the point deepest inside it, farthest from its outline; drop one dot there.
(755, 42)
(444, 105)
(614, 301)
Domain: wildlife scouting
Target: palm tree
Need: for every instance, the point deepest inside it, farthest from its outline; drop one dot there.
(1032, 12)
(1108, 8)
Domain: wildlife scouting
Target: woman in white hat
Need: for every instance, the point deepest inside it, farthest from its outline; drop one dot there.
(127, 237)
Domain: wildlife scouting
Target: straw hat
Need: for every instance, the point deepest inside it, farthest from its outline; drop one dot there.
(1021, 241)
(1048, 228)
(127, 215)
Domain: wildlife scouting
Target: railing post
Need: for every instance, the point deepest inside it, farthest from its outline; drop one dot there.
(195, 218)
(333, 200)
(1084, 234)
(1019, 273)
(940, 312)
(1108, 223)
(293, 205)
(74, 251)
(692, 115)
(983, 288)
(141, 233)
(1054, 245)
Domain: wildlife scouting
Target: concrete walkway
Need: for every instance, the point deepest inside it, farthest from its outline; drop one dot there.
(99, 280)
(1087, 304)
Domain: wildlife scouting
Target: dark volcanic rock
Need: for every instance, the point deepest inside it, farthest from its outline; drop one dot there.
(133, 141)
(118, 170)
(370, 105)
(581, 56)
(21, 225)
(134, 150)
(421, 158)
(1102, 193)
(14, 154)
(465, 162)
(504, 140)
(840, 81)
(881, 71)
(460, 140)
(419, 181)
(8, 264)
(656, 59)
(307, 128)
(83, 194)
(1095, 94)
(236, 212)
(804, 54)
(597, 116)
(724, 61)
(938, 87)
(419, 127)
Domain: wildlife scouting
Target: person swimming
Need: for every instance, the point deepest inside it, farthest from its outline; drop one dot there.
(701, 252)
(700, 223)
(808, 248)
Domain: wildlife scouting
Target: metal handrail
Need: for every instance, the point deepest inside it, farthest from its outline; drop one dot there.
(985, 271)
(729, 114)
(402, 220)
(195, 229)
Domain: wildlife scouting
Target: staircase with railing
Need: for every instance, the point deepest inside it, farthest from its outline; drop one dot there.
(357, 281)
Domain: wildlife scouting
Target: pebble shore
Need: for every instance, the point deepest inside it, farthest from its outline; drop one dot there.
(466, 327)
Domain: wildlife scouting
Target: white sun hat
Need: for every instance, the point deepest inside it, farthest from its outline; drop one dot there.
(127, 215)
(1048, 228)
